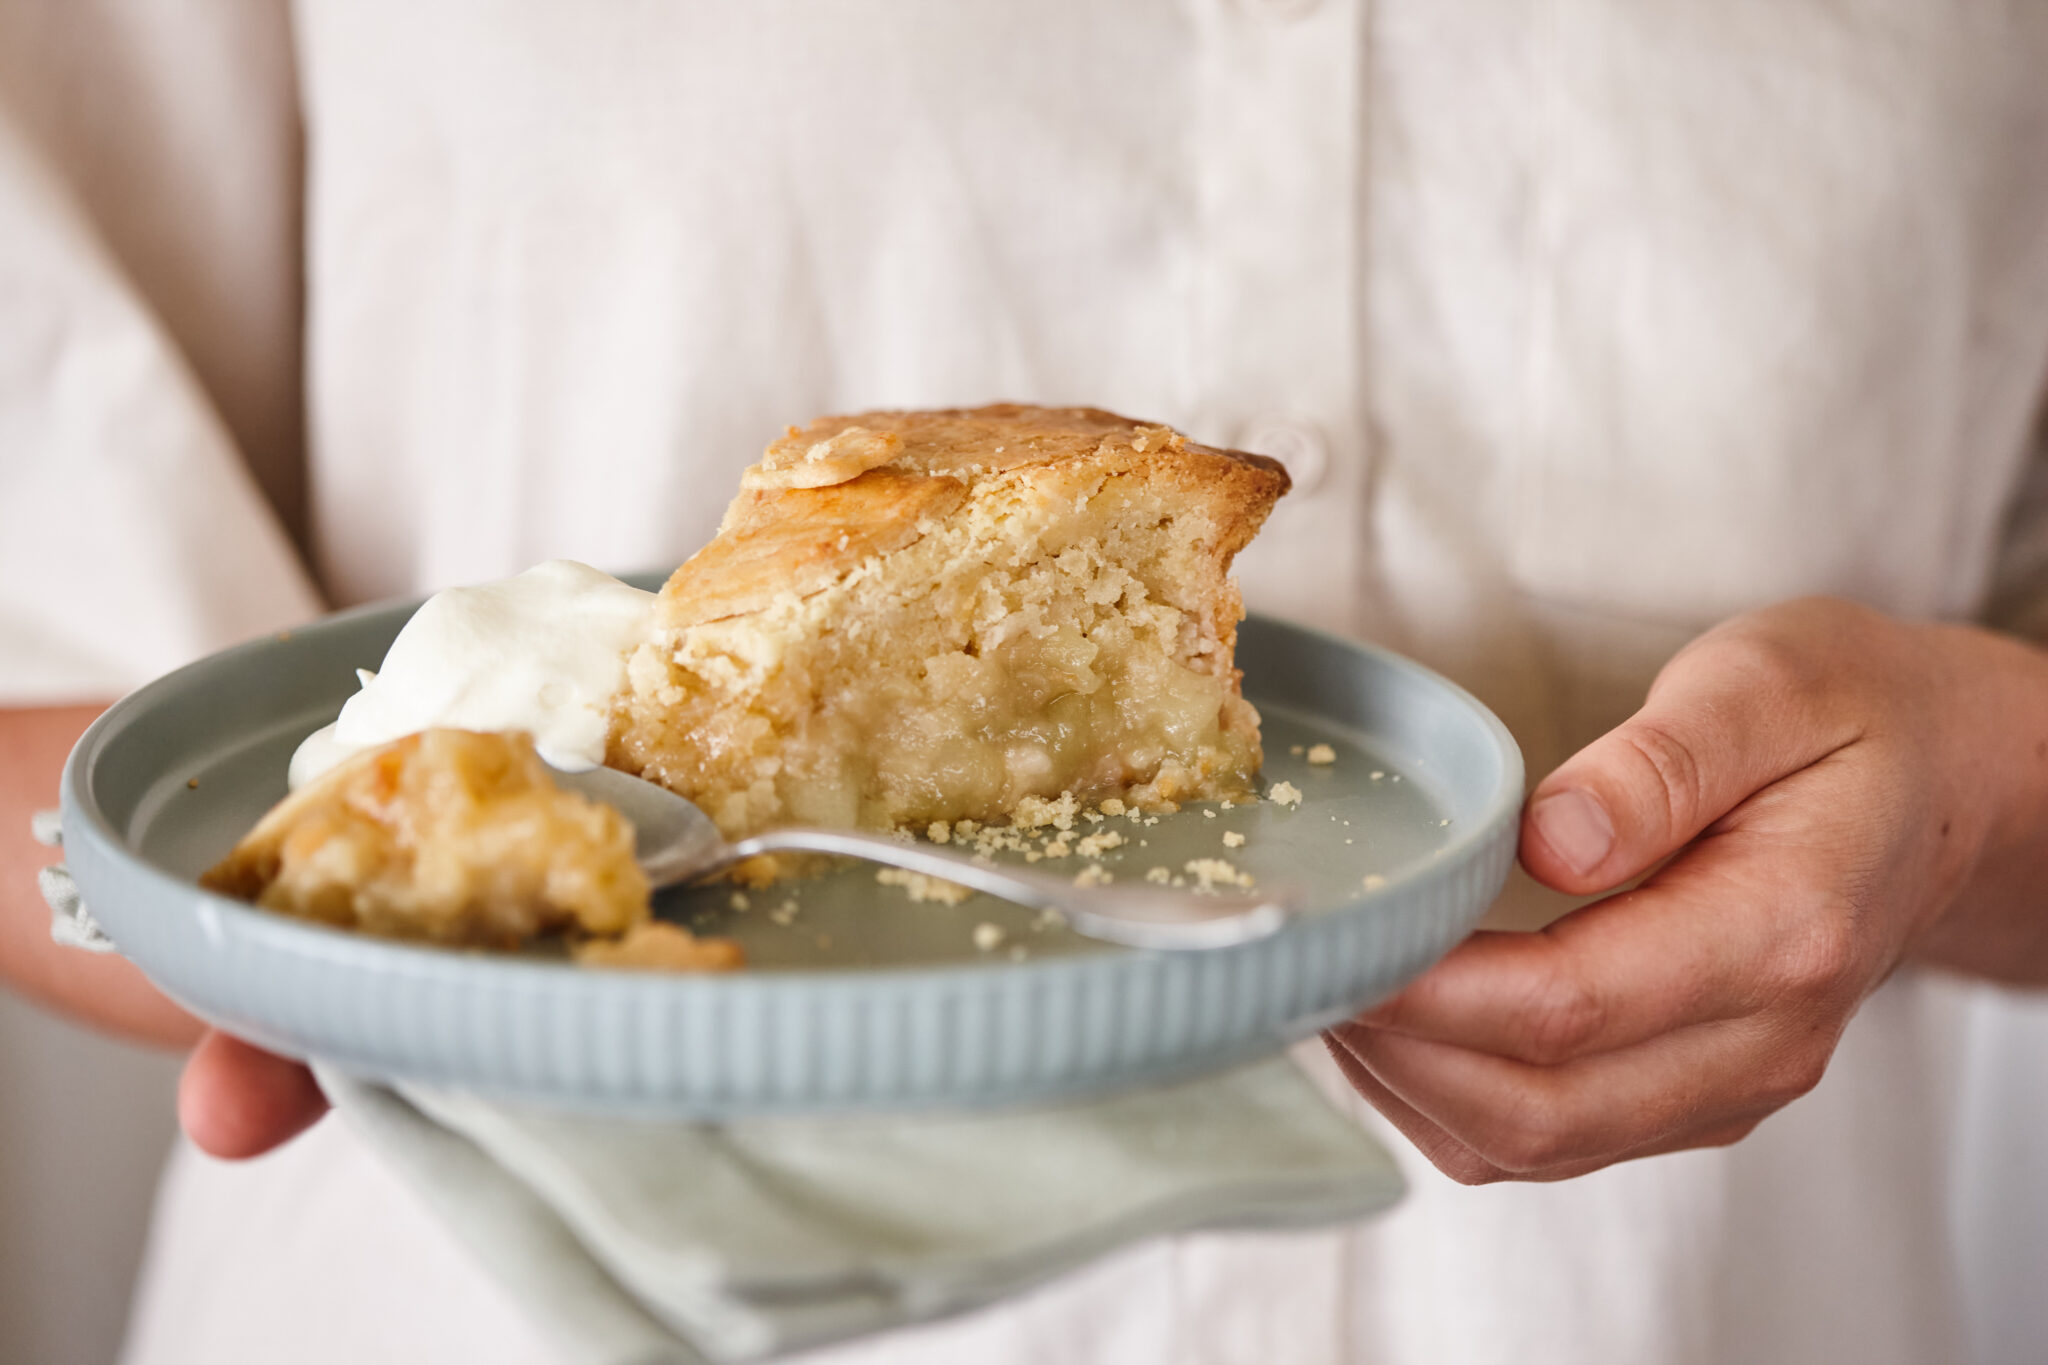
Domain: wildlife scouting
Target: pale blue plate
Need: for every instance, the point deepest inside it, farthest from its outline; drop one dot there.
(855, 997)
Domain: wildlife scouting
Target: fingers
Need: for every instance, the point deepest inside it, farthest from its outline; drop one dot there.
(1461, 1163)
(1681, 1013)
(1739, 709)
(237, 1101)
(1479, 1117)
(1676, 1015)
(1694, 944)
(1445, 1152)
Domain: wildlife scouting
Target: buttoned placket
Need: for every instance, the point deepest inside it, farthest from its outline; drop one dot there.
(1276, 367)
(1276, 363)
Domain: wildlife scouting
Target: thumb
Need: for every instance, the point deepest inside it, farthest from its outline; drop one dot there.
(1733, 712)
(236, 1101)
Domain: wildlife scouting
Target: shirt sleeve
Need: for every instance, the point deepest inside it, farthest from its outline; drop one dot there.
(133, 536)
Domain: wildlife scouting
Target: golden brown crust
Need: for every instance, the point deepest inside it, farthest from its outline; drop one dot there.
(800, 540)
(999, 437)
(829, 496)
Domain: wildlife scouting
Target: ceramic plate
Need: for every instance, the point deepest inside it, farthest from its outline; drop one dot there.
(855, 996)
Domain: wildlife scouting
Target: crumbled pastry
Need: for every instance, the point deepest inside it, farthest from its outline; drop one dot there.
(660, 946)
(1095, 845)
(454, 836)
(965, 616)
(988, 937)
(1373, 880)
(1210, 873)
(1095, 874)
(1284, 794)
(759, 872)
(1036, 812)
(1232, 839)
(919, 887)
(1321, 755)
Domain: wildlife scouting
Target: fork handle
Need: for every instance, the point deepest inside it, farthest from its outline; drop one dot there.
(1139, 917)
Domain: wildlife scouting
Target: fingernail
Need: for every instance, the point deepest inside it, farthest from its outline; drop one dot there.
(1576, 828)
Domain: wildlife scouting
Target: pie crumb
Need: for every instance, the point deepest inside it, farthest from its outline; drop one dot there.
(922, 888)
(1322, 755)
(1095, 845)
(1284, 794)
(657, 945)
(1210, 873)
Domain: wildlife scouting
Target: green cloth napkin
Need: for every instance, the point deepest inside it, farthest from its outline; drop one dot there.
(641, 1242)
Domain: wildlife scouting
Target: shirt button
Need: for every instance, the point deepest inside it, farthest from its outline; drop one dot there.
(1296, 444)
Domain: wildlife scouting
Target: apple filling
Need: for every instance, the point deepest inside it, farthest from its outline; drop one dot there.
(447, 835)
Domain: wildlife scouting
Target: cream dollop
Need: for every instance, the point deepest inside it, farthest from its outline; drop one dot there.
(543, 651)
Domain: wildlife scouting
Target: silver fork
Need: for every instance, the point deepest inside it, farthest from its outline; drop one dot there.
(676, 842)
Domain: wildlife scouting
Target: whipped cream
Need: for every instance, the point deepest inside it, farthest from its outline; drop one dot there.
(544, 652)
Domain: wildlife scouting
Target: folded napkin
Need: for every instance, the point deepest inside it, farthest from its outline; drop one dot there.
(639, 1242)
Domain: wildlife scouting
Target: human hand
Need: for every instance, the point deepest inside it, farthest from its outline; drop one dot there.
(234, 1100)
(237, 1101)
(1840, 790)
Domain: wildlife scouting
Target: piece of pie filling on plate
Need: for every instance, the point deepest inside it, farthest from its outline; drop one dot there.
(910, 617)
(460, 838)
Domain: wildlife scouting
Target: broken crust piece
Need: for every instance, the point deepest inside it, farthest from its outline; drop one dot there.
(447, 835)
(918, 616)
(658, 945)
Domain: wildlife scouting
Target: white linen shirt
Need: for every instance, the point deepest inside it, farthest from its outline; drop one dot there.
(1581, 324)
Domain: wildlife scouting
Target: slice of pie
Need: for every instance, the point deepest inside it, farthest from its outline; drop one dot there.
(919, 616)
